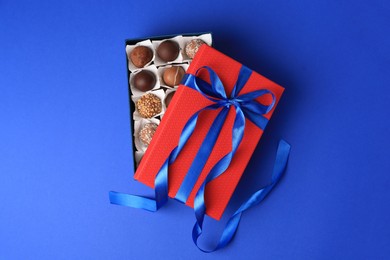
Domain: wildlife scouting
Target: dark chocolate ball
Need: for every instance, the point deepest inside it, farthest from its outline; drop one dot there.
(168, 50)
(173, 75)
(144, 80)
(168, 98)
(141, 55)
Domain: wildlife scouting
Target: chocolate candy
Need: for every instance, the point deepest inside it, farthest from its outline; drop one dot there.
(147, 132)
(192, 47)
(149, 105)
(168, 50)
(144, 80)
(168, 98)
(173, 75)
(140, 56)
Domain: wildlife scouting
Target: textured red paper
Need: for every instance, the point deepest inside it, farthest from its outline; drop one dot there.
(184, 104)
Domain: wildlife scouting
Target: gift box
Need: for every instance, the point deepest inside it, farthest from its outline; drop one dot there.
(188, 101)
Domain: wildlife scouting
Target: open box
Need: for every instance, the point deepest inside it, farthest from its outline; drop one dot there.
(161, 89)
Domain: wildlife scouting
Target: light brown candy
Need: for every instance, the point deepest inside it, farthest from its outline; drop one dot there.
(173, 75)
(192, 47)
(149, 105)
(147, 132)
(140, 56)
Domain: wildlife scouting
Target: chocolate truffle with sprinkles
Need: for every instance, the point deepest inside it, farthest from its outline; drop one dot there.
(173, 75)
(149, 105)
(168, 50)
(147, 132)
(192, 47)
(140, 56)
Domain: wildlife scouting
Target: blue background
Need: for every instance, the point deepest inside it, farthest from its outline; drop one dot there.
(65, 140)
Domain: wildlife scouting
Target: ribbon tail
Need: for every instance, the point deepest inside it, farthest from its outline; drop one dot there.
(217, 170)
(202, 156)
(141, 202)
(133, 201)
(231, 227)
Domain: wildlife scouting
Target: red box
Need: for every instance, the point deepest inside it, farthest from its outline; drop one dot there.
(185, 103)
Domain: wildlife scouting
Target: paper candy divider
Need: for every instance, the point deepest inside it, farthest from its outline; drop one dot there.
(137, 157)
(185, 103)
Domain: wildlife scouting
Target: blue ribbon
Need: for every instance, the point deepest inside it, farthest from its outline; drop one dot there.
(231, 227)
(245, 107)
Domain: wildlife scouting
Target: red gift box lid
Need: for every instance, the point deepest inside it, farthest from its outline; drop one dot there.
(184, 104)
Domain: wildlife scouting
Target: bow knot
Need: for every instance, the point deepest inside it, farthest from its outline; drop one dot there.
(228, 102)
(246, 103)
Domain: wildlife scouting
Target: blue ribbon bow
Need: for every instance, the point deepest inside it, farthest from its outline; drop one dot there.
(245, 106)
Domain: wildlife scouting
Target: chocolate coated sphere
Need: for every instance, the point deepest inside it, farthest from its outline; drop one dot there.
(168, 50)
(173, 75)
(144, 80)
(168, 98)
(140, 56)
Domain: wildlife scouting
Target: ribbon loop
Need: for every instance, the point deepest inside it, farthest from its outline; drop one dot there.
(243, 77)
(217, 88)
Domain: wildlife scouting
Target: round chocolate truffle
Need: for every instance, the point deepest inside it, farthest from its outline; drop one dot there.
(168, 50)
(192, 47)
(168, 98)
(149, 105)
(144, 80)
(147, 132)
(173, 75)
(141, 55)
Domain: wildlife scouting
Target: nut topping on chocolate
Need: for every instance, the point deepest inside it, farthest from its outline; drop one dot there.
(149, 105)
